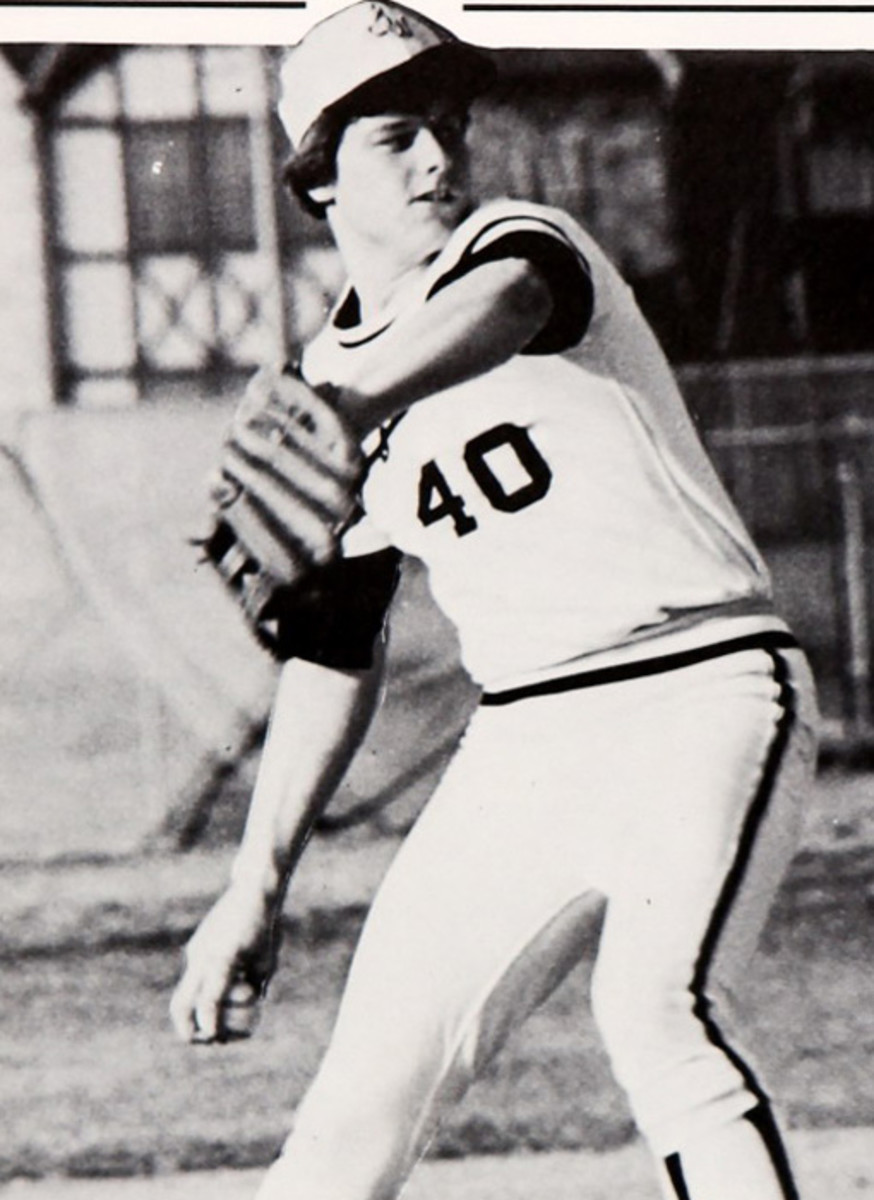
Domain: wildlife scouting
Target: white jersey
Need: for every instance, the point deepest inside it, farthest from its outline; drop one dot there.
(562, 502)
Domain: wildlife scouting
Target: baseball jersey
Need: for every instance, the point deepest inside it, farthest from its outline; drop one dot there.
(562, 502)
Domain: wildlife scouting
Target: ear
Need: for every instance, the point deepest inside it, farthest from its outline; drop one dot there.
(325, 194)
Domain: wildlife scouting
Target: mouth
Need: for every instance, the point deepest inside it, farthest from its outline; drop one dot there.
(438, 195)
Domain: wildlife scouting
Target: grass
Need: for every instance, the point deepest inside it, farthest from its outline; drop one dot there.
(93, 1082)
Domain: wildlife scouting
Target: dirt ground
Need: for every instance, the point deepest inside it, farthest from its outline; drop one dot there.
(831, 1165)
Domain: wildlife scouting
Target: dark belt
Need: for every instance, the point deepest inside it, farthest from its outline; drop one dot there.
(773, 640)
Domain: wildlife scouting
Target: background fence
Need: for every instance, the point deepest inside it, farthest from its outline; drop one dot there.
(794, 441)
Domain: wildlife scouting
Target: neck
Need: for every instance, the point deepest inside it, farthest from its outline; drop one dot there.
(374, 272)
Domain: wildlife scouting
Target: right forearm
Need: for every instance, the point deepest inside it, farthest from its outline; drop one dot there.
(319, 718)
(468, 328)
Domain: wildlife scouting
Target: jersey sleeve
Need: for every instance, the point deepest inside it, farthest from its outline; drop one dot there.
(560, 263)
(336, 617)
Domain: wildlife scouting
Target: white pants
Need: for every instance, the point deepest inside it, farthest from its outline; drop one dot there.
(677, 797)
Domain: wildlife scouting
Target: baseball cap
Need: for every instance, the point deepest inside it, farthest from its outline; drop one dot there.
(363, 52)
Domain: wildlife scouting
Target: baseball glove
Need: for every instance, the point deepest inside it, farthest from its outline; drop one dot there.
(284, 490)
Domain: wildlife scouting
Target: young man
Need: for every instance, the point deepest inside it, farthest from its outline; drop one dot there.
(646, 726)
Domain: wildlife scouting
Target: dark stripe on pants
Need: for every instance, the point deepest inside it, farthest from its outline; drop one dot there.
(761, 1116)
(676, 1176)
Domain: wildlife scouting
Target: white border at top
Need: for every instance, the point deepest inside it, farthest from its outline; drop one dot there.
(843, 27)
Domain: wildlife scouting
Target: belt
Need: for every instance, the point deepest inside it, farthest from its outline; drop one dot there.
(768, 640)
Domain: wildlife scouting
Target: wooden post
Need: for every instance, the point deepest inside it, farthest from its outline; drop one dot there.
(854, 586)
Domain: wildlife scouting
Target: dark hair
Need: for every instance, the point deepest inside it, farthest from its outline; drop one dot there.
(455, 69)
(315, 163)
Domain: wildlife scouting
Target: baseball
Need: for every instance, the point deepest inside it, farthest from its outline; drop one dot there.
(239, 1012)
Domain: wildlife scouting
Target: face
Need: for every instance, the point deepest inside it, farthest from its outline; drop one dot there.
(402, 182)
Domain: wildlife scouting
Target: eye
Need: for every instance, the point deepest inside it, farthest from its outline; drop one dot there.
(397, 140)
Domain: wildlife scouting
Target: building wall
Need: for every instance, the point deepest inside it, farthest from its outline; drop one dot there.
(598, 154)
(25, 375)
(149, 302)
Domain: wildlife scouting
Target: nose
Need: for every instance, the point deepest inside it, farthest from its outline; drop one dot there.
(431, 153)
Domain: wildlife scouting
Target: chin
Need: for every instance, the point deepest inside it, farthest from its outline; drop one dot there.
(444, 218)
(454, 211)
(423, 240)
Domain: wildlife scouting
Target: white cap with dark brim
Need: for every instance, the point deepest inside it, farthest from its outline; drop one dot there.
(363, 48)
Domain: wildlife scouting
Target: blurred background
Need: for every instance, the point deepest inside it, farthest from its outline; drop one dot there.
(149, 262)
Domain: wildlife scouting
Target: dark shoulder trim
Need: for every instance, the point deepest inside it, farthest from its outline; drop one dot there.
(563, 268)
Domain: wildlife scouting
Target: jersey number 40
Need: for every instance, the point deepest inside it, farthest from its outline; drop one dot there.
(437, 499)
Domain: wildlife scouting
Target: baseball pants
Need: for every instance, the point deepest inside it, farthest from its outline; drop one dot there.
(677, 796)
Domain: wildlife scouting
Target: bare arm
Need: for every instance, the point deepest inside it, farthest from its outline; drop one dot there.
(319, 717)
(468, 328)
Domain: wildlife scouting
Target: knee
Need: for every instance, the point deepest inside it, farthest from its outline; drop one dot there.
(363, 1112)
(335, 1109)
(626, 1010)
(644, 1024)
(354, 1141)
(666, 1053)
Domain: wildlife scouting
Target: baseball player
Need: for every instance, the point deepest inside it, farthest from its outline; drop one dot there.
(646, 730)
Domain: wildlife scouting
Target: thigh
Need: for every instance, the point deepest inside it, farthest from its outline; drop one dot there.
(729, 761)
(482, 890)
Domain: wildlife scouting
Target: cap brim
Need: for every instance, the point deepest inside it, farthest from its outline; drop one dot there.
(453, 69)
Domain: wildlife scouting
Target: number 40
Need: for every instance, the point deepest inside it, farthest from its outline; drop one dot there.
(437, 499)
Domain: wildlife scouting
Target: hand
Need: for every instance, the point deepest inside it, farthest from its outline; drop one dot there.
(228, 962)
